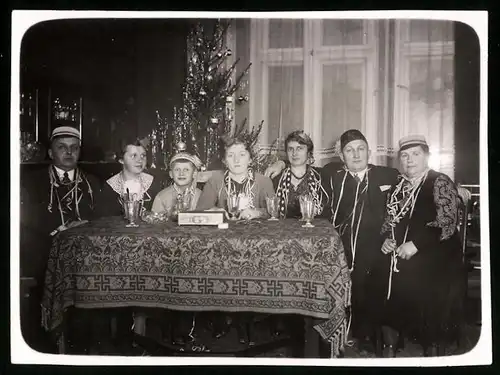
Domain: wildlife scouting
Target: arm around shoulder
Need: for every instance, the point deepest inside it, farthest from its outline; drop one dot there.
(209, 195)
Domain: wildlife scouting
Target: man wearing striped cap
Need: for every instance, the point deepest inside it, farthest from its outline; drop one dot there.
(52, 199)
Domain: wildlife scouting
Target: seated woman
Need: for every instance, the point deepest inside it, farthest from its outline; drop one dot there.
(253, 188)
(132, 156)
(423, 275)
(238, 178)
(299, 178)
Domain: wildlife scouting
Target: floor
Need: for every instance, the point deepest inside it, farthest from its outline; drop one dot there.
(261, 334)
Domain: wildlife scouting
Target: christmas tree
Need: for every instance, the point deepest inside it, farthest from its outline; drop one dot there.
(210, 92)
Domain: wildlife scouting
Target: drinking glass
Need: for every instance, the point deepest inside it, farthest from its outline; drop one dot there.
(272, 207)
(233, 202)
(132, 210)
(307, 209)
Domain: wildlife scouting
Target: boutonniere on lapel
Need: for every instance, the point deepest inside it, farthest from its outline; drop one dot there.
(384, 187)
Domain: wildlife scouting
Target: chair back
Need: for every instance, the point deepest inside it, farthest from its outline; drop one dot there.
(463, 216)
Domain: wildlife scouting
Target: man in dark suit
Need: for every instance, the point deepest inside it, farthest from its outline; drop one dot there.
(357, 194)
(51, 199)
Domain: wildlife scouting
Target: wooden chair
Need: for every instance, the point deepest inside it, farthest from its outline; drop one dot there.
(473, 246)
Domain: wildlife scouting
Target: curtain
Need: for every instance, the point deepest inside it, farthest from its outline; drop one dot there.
(386, 78)
(426, 87)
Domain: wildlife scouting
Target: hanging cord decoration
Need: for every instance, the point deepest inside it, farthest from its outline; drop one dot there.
(71, 197)
(248, 187)
(409, 193)
(354, 226)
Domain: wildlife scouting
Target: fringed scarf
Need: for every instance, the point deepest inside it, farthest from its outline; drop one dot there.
(70, 202)
(313, 184)
(248, 187)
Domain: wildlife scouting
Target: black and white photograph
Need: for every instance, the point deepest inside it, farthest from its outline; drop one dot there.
(256, 188)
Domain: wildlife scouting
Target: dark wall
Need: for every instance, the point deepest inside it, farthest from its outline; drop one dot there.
(125, 70)
(467, 102)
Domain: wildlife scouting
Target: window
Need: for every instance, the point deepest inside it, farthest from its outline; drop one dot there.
(424, 87)
(387, 78)
(314, 75)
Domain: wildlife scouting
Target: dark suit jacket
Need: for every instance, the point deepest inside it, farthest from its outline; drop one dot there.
(37, 222)
(381, 179)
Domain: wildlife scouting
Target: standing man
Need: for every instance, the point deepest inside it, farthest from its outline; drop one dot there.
(52, 198)
(357, 194)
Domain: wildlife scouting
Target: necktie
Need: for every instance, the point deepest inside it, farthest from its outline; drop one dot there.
(66, 179)
(356, 178)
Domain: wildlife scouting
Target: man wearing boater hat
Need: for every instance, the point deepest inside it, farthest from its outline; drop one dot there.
(52, 199)
(357, 201)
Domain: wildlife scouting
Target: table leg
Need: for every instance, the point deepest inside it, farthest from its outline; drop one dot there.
(311, 339)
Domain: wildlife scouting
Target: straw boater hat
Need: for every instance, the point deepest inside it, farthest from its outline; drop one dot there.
(65, 131)
(412, 141)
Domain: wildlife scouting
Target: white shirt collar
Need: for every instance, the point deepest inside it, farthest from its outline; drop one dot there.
(60, 173)
(360, 174)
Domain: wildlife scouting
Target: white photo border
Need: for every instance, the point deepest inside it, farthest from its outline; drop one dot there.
(21, 353)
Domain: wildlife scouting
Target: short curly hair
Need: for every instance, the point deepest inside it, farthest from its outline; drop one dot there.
(132, 141)
(301, 138)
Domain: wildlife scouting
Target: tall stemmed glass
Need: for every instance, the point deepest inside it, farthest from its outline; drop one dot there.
(307, 209)
(233, 202)
(272, 207)
(132, 209)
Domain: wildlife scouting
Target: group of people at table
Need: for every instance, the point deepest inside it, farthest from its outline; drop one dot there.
(398, 229)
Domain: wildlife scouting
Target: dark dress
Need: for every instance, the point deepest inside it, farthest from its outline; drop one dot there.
(372, 196)
(427, 292)
(293, 204)
(37, 222)
(108, 204)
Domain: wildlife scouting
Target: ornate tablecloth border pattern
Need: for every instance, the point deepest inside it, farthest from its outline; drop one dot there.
(264, 269)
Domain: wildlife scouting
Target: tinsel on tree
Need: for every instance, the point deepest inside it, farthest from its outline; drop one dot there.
(210, 92)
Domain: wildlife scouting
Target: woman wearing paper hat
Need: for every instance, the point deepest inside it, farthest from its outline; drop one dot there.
(424, 288)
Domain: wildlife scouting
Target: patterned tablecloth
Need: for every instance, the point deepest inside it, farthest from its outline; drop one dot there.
(263, 267)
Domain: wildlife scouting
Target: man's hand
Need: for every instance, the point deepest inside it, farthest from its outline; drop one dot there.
(388, 246)
(275, 169)
(249, 214)
(407, 250)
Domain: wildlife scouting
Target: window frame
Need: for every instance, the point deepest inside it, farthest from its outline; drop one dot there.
(406, 52)
(313, 55)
